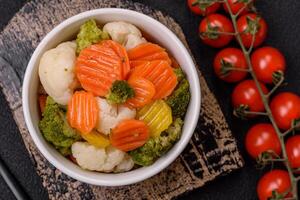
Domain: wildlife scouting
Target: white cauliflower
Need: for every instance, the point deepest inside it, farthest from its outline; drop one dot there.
(126, 164)
(111, 115)
(100, 159)
(124, 33)
(56, 71)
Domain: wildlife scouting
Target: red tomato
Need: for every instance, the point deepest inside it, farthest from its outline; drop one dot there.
(246, 93)
(202, 8)
(236, 6)
(219, 23)
(230, 57)
(276, 180)
(285, 108)
(265, 61)
(261, 138)
(292, 146)
(246, 26)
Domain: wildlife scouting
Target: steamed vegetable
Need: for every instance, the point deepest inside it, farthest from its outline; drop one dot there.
(179, 99)
(129, 134)
(160, 73)
(179, 73)
(89, 34)
(96, 139)
(99, 159)
(55, 127)
(56, 72)
(148, 52)
(83, 111)
(111, 115)
(124, 33)
(157, 115)
(119, 92)
(99, 65)
(156, 147)
(144, 92)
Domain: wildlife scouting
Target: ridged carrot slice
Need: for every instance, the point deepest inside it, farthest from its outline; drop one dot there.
(82, 111)
(174, 64)
(99, 65)
(144, 92)
(129, 134)
(147, 52)
(161, 74)
(42, 102)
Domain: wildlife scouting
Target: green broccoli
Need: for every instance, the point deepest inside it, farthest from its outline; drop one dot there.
(180, 74)
(56, 129)
(156, 147)
(180, 98)
(89, 34)
(119, 92)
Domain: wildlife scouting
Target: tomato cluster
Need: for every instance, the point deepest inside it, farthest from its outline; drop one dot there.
(268, 65)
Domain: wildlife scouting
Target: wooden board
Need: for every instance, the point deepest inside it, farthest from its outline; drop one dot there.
(211, 152)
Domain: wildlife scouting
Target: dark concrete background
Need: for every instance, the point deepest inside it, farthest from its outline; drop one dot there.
(284, 30)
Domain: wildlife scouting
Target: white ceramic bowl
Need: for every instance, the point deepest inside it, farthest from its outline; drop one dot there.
(68, 30)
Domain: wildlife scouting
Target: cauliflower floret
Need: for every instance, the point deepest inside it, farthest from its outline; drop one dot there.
(126, 164)
(56, 71)
(124, 33)
(88, 156)
(133, 41)
(111, 115)
(97, 159)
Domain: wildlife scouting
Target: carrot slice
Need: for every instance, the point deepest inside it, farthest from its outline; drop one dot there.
(147, 52)
(161, 74)
(174, 64)
(82, 111)
(99, 65)
(144, 91)
(42, 102)
(129, 134)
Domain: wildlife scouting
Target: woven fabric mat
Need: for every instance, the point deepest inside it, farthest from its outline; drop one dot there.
(211, 152)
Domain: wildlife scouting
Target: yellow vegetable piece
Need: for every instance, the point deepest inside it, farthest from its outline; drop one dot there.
(157, 115)
(96, 139)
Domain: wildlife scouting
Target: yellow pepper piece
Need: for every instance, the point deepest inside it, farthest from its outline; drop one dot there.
(96, 139)
(157, 115)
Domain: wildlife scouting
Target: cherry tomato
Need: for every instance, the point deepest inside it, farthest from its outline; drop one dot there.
(276, 180)
(285, 108)
(202, 8)
(265, 61)
(216, 23)
(261, 138)
(292, 146)
(250, 24)
(236, 6)
(246, 93)
(228, 58)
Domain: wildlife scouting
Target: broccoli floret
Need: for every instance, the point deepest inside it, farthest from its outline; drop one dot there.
(55, 127)
(89, 34)
(179, 73)
(157, 146)
(179, 99)
(119, 92)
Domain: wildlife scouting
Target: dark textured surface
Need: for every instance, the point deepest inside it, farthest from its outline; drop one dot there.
(284, 34)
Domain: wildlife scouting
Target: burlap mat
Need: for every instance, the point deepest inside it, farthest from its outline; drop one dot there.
(212, 151)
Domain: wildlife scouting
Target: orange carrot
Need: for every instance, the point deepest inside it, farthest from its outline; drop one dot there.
(99, 65)
(147, 52)
(161, 74)
(129, 134)
(83, 111)
(174, 64)
(42, 102)
(144, 92)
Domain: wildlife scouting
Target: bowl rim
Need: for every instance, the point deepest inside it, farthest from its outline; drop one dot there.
(51, 158)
